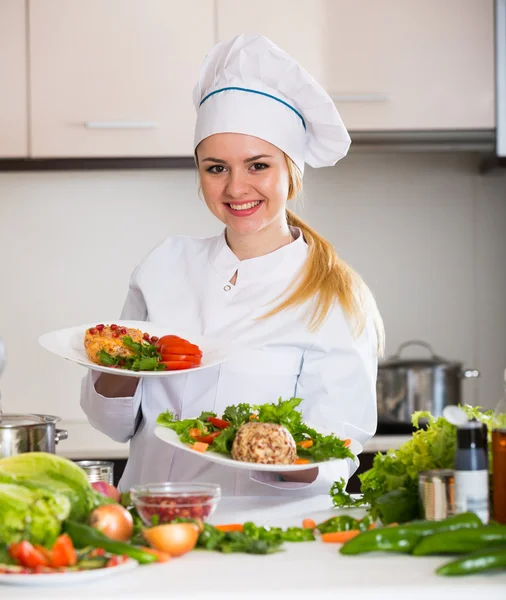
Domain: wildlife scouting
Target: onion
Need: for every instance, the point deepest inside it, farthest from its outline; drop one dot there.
(106, 489)
(174, 538)
(114, 521)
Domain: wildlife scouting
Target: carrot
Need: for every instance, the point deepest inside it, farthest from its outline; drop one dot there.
(231, 527)
(195, 432)
(305, 444)
(339, 537)
(253, 418)
(161, 556)
(302, 461)
(347, 443)
(308, 524)
(200, 446)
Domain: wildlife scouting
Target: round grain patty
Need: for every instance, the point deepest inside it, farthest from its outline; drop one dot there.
(265, 443)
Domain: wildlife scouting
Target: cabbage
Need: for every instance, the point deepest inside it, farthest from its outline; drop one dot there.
(51, 473)
(34, 515)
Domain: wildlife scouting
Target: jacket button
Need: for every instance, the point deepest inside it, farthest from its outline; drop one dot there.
(227, 288)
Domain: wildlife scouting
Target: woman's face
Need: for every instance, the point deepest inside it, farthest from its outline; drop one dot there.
(244, 181)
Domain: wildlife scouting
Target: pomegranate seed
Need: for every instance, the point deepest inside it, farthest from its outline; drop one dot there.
(115, 334)
(92, 331)
(114, 327)
(154, 338)
(123, 331)
(100, 327)
(146, 337)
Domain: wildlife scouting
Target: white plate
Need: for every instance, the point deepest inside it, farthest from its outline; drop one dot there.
(69, 578)
(170, 437)
(69, 343)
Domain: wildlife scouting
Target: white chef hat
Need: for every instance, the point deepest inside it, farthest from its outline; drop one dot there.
(248, 85)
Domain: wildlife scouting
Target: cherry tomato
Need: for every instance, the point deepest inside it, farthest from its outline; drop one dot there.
(190, 349)
(220, 423)
(27, 555)
(177, 365)
(207, 439)
(64, 554)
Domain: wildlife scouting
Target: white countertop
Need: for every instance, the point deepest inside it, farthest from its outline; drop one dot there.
(304, 570)
(85, 442)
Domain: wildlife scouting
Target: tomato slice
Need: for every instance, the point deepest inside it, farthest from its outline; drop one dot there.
(220, 423)
(177, 365)
(207, 439)
(27, 556)
(182, 357)
(64, 554)
(186, 349)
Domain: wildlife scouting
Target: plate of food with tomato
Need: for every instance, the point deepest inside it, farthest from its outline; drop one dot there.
(136, 348)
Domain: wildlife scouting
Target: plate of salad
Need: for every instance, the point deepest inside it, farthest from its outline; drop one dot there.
(267, 437)
(136, 348)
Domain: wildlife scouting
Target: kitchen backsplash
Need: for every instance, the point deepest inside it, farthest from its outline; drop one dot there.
(426, 231)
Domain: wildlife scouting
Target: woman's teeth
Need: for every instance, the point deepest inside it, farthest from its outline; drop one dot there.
(244, 206)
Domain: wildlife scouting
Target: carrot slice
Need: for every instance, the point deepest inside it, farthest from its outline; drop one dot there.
(308, 524)
(302, 461)
(305, 444)
(200, 446)
(231, 527)
(195, 432)
(347, 443)
(339, 537)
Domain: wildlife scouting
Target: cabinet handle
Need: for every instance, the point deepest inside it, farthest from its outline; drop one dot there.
(121, 125)
(359, 98)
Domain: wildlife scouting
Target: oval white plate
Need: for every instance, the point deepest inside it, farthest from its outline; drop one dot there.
(170, 437)
(69, 578)
(69, 344)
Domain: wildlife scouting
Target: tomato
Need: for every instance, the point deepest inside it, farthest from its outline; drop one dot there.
(64, 554)
(177, 365)
(27, 556)
(180, 349)
(207, 439)
(182, 357)
(220, 423)
(174, 538)
(170, 339)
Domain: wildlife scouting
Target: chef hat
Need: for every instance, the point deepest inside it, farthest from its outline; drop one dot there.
(248, 85)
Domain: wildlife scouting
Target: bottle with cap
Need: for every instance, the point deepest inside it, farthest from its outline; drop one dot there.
(471, 470)
(499, 460)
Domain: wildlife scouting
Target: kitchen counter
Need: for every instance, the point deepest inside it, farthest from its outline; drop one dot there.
(303, 570)
(85, 442)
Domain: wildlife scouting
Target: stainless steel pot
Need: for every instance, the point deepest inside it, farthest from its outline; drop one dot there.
(406, 385)
(29, 433)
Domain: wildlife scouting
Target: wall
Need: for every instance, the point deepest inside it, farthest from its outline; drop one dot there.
(427, 232)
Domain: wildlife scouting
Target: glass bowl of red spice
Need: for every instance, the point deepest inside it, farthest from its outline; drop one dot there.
(159, 503)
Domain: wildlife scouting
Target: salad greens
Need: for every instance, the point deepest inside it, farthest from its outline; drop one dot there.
(324, 447)
(146, 357)
(390, 488)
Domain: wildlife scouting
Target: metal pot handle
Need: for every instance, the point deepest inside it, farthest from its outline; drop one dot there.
(415, 343)
(60, 434)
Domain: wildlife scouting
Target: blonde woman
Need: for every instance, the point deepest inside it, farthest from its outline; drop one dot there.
(269, 281)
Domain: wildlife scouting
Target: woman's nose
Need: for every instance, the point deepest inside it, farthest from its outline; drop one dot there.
(237, 185)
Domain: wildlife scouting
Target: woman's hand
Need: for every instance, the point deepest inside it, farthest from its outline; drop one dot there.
(116, 386)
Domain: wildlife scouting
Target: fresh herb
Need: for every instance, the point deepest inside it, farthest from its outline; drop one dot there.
(234, 541)
(344, 523)
(390, 488)
(324, 447)
(277, 534)
(145, 357)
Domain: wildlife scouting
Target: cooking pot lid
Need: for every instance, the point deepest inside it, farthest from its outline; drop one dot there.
(12, 420)
(433, 361)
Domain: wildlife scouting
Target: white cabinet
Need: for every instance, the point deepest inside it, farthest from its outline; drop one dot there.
(115, 78)
(13, 100)
(389, 65)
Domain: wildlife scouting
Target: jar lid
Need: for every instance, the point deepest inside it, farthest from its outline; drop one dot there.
(13, 420)
(472, 434)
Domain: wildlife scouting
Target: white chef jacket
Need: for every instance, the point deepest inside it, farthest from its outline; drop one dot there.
(184, 285)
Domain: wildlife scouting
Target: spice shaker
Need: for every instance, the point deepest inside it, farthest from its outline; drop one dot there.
(471, 470)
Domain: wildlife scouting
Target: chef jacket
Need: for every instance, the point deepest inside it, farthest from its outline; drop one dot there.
(184, 285)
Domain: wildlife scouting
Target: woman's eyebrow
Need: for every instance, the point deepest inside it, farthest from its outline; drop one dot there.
(216, 160)
(258, 157)
(246, 160)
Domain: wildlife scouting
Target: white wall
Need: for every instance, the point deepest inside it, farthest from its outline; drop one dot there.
(427, 232)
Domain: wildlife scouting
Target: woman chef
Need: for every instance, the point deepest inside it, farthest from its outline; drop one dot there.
(268, 282)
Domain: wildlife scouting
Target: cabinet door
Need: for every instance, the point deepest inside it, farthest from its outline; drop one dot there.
(115, 78)
(406, 64)
(389, 65)
(13, 98)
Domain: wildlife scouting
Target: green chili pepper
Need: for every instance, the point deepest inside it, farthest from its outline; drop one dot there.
(478, 562)
(462, 541)
(404, 538)
(83, 535)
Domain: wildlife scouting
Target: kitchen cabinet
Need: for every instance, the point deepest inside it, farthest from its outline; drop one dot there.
(13, 65)
(115, 78)
(391, 65)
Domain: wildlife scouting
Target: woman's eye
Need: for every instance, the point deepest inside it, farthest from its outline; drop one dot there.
(259, 166)
(216, 169)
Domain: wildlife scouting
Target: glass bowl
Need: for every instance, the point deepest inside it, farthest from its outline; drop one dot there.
(159, 503)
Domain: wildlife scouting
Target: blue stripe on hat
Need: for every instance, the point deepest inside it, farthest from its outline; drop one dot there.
(240, 89)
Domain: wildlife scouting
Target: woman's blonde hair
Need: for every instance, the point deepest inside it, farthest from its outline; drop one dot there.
(326, 279)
